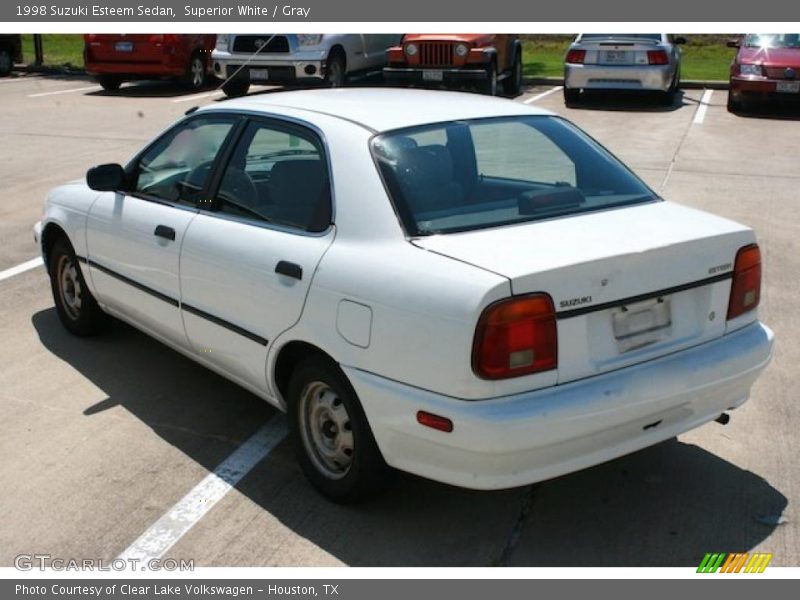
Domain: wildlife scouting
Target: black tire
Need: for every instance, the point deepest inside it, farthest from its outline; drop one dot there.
(572, 97)
(336, 69)
(76, 307)
(109, 83)
(324, 411)
(195, 76)
(668, 97)
(236, 87)
(513, 83)
(489, 86)
(6, 62)
(735, 105)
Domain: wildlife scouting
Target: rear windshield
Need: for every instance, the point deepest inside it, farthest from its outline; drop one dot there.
(773, 40)
(466, 175)
(623, 36)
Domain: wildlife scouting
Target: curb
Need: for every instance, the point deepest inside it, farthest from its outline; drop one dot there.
(689, 84)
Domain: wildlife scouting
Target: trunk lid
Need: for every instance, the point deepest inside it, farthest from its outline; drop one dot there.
(628, 284)
(617, 52)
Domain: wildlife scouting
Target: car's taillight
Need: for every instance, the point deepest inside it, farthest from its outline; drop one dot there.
(576, 57)
(516, 337)
(657, 57)
(746, 285)
(156, 38)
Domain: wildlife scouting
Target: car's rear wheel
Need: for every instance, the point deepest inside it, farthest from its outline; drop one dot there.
(195, 76)
(109, 83)
(330, 433)
(76, 307)
(236, 87)
(336, 70)
(572, 97)
(6, 62)
(513, 83)
(668, 97)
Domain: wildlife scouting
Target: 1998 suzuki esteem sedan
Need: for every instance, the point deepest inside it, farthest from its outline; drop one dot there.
(462, 287)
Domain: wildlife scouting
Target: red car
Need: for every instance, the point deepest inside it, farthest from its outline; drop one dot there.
(114, 58)
(766, 67)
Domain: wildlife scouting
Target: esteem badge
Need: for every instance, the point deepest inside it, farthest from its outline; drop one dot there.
(790, 73)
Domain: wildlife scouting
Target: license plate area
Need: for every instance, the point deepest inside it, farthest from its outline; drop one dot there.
(432, 75)
(642, 324)
(123, 46)
(616, 57)
(788, 87)
(259, 74)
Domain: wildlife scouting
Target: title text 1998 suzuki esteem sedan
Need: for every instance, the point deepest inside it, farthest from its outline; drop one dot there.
(462, 287)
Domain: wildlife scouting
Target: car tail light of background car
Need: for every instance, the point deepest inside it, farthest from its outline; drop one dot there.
(516, 337)
(657, 57)
(576, 57)
(746, 285)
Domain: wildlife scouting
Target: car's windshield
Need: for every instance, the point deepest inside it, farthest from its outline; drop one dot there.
(656, 37)
(482, 173)
(773, 40)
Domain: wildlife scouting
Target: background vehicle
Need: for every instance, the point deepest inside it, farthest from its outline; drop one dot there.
(493, 300)
(623, 61)
(115, 58)
(279, 58)
(10, 52)
(765, 68)
(457, 59)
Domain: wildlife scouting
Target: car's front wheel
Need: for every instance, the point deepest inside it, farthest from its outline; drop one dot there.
(330, 433)
(490, 85)
(76, 307)
(513, 83)
(6, 62)
(336, 70)
(734, 103)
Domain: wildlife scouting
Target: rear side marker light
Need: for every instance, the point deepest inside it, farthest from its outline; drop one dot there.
(657, 57)
(576, 57)
(434, 421)
(516, 337)
(746, 284)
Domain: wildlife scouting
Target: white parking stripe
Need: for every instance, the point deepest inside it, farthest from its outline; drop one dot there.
(542, 95)
(26, 266)
(69, 91)
(171, 527)
(198, 96)
(16, 79)
(700, 115)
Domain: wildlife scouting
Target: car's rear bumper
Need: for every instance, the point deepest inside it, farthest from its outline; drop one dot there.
(433, 75)
(137, 70)
(606, 77)
(282, 67)
(517, 440)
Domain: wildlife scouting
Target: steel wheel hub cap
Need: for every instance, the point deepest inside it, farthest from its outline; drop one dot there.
(326, 431)
(197, 72)
(69, 286)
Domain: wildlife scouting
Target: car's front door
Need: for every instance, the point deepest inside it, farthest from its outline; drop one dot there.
(247, 263)
(134, 236)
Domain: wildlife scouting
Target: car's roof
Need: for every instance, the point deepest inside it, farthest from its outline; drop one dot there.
(382, 109)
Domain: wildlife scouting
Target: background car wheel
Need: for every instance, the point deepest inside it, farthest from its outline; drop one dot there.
(6, 62)
(195, 76)
(76, 307)
(572, 97)
(336, 70)
(513, 84)
(734, 104)
(668, 97)
(330, 433)
(109, 83)
(236, 87)
(490, 85)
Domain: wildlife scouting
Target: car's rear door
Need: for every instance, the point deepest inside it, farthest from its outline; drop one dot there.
(247, 263)
(134, 236)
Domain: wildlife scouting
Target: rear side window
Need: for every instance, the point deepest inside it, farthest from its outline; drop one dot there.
(278, 176)
(482, 173)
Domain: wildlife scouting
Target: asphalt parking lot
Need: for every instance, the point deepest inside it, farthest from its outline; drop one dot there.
(101, 438)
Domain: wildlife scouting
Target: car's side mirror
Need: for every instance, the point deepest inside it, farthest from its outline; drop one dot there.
(733, 43)
(106, 178)
(679, 40)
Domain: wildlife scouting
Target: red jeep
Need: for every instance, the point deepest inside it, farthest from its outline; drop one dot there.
(456, 59)
(114, 58)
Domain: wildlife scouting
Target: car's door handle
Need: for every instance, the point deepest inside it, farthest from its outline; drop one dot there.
(168, 233)
(289, 269)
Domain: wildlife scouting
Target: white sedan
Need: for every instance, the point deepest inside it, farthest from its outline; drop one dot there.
(462, 287)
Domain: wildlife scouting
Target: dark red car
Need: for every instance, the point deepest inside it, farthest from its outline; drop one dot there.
(114, 58)
(766, 67)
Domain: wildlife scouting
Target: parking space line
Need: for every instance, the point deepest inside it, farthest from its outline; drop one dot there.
(171, 527)
(68, 91)
(542, 95)
(17, 79)
(198, 96)
(26, 266)
(700, 114)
